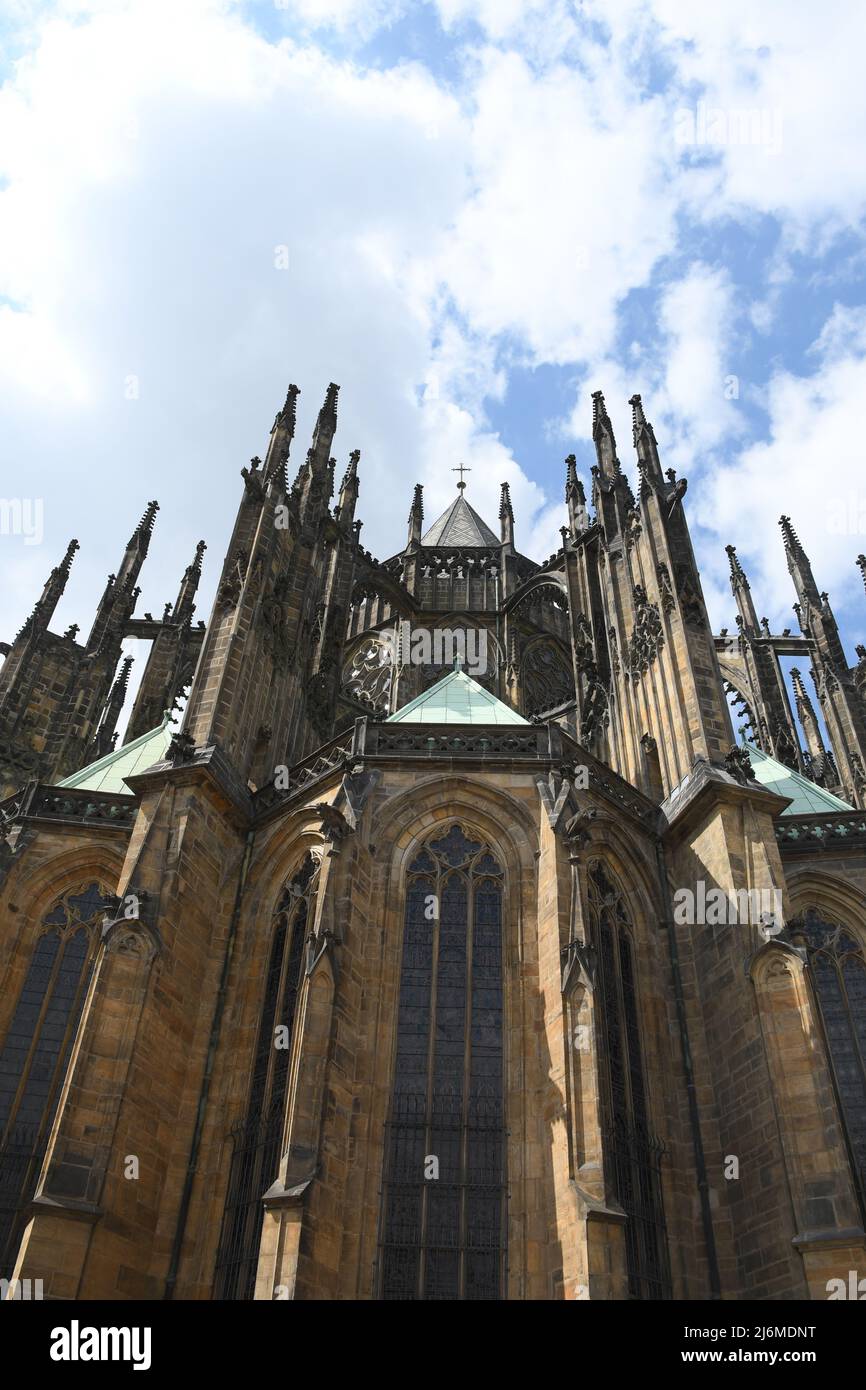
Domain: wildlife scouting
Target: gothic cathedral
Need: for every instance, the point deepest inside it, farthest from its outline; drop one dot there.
(451, 946)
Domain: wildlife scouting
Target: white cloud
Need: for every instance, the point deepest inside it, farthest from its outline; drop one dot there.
(810, 466)
(159, 163)
(159, 158)
(572, 207)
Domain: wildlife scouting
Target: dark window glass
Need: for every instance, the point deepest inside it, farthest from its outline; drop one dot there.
(838, 970)
(37, 1046)
(443, 1205)
(256, 1141)
(632, 1153)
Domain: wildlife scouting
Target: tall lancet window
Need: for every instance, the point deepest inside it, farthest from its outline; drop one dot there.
(443, 1214)
(838, 969)
(632, 1153)
(36, 1048)
(256, 1140)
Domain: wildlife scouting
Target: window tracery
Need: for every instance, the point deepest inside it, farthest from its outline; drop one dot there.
(37, 1046)
(443, 1206)
(256, 1140)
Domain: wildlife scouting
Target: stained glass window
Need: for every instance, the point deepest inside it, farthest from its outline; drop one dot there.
(633, 1153)
(444, 1197)
(256, 1140)
(37, 1045)
(838, 970)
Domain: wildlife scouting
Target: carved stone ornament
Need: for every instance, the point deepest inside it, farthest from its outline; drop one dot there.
(666, 593)
(369, 673)
(739, 765)
(232, 583)
(181, 749)
(584, 648)
(595, 715)
(546, 679)
(690, 599)
(647, 638)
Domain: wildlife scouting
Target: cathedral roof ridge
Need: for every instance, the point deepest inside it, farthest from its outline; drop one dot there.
(460, 524)
(109, 773)
(806, 797)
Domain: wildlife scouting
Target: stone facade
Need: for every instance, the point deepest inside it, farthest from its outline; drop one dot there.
(669, 1106)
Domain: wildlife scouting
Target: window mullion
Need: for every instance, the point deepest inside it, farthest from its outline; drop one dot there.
(462, 1237)
(24, 1078)
(431, 1057)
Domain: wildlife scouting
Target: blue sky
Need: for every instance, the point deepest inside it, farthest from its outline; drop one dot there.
(486, 210)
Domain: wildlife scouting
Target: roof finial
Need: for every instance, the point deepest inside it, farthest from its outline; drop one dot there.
(461, 470)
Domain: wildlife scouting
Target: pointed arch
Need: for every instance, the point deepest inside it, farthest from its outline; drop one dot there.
(834, 949)
(632, 1151)
(257, 1139)
(37, 1044)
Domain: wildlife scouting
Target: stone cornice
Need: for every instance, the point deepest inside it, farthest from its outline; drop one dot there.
(707, 785)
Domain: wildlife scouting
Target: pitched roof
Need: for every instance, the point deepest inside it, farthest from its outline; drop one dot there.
(107, 773)
(460, 525)
(456, 699)
(806, 798)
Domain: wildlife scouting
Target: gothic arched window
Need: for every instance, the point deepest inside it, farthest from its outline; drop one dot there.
(838, 972)
(547, 678)
(444, 1197)
(369, 672)
(256, 1140)
(632, 1153)
(35, 1052)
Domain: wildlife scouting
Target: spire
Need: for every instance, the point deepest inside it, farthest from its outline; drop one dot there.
(807, 717)
(313, 488)
(184, 606)
(122, 681)
(137, 547)
(65, 565)
(282, 434)
(416, 514)
(288, 415)
(603, 437)
(326, 427)
(799, 568)
(140, 538)
(506, 516)
(345, 512)
(793, 548)
(120, 594)
(575, 497)
(43, 610)
(106, 734)
(644, 441)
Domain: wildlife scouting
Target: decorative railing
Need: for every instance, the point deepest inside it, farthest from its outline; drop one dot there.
(846, 829)
(323, 761)
(540, 743)
(46, 803)
(450, 740)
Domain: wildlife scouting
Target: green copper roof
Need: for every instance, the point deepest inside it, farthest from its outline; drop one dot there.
(456, 699)
(460, 525)
(806, 798)
(107, 774)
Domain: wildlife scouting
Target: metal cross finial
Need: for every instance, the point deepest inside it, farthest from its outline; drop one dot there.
(461, 470)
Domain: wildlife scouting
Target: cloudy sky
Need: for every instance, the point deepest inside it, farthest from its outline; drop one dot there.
(469, 214)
